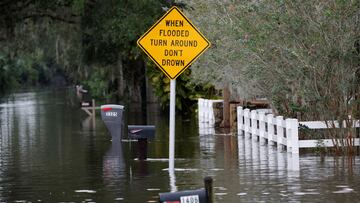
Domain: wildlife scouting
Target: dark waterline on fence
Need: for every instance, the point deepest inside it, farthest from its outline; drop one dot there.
(51, 152)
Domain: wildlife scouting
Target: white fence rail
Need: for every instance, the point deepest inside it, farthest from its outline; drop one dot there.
(206, 110)
(326, 142)
(322, 124)
(206, 116)
(280, 131)
(274, 130)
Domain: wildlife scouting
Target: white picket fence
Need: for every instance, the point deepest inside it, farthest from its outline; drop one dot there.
(274, 130)
(325, 142)
(206, 116)
(263, 126)
(280, 131)
(206, 110)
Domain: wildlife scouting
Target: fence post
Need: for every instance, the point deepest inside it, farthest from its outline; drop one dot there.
(270, 131)
(211, 113)
(288, 135)
(254, 128)
(240, 119)
(247, 122)
(279, 131)
(262, 127)
(200, 110)
(208, 182)
(207, 116)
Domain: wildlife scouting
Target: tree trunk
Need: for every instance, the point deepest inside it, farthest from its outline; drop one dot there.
(120, 80)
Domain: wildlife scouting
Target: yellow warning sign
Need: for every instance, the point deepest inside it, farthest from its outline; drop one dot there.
(173, 43)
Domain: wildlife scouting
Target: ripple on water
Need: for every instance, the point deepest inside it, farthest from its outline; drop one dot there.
(306, 193)
(220, 188)
(85, 191)
(119, 199)
(153, 189)
(343, 191)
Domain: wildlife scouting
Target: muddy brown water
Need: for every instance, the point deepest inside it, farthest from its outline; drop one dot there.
(51, 152)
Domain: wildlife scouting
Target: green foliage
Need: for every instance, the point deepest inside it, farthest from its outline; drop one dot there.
(7, 75)
(23, 71)
(111, 28)
(99, 83)
(40, 42)
(79, 6)
(298, 54)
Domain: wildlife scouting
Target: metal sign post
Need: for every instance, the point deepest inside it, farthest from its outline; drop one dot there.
(173, 44)
(172, 125)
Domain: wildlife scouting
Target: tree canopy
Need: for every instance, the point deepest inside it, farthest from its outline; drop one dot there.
(301, 55)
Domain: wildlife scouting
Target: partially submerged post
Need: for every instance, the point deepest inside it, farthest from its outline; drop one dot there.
(226, 107)
(208, 182)
(204, 195)
(87, 106)
(142, 133)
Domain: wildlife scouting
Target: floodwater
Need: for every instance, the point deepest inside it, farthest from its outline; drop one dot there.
(52, 152)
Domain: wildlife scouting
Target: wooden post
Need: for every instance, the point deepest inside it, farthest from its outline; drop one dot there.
(93, 113)
(231, 116)
(226, 110)
(93, 107)
(142, 148)
(208, 182)
(357, 129)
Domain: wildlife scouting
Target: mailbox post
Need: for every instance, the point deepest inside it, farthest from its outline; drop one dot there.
(142, 133)
(204, 195)
(112, 115)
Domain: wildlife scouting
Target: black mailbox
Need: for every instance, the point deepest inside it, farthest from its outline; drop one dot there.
(191, 196)
(141, 131)
(112, 115)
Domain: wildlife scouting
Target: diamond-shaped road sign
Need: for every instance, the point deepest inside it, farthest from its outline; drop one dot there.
(173, 43)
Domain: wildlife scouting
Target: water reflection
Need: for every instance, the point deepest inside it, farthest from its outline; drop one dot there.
(261, 157)
(172, 178)
(114, 168)
(88, 124)
(207, 151)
